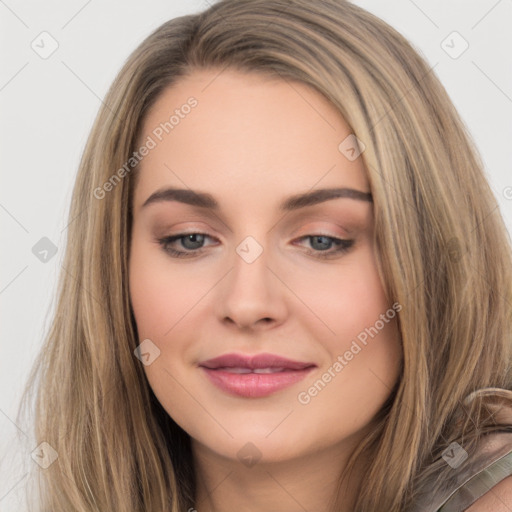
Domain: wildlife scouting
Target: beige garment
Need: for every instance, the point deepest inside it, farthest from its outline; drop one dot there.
(476, 475)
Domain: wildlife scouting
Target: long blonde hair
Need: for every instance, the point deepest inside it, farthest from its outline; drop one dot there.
(443, 254)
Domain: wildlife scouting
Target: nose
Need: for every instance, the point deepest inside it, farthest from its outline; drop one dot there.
(252, 295)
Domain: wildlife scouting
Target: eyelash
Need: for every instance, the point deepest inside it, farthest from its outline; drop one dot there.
(343, 246)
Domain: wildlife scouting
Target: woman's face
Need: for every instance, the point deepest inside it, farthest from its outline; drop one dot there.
(258, 273)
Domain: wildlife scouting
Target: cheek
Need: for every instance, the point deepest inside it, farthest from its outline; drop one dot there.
(346, 298)
(159, 297)
(360, 341)
(160, 301)
(149, 299)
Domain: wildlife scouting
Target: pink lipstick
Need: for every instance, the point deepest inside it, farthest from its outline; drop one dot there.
(254, 376)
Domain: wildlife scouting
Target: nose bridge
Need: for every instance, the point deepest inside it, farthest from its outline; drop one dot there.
(251, 292)
(249, 249)
(249, 275)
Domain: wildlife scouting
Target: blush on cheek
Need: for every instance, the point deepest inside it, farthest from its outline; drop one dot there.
(150, 293)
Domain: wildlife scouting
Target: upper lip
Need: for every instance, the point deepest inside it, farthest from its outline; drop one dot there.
(254, 362)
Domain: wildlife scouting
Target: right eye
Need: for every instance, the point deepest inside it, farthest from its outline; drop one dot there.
(192, 242)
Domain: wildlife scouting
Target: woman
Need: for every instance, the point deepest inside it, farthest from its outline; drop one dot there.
(287, 285)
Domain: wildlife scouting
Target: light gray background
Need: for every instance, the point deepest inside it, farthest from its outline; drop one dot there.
(48, 106)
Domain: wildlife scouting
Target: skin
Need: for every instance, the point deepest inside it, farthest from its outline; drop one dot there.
(497, 499)
(251, 142)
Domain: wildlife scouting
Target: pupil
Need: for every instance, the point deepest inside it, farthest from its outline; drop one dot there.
(193, 239)
(326, 241)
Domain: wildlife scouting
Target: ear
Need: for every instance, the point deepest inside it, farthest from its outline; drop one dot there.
(496, 499)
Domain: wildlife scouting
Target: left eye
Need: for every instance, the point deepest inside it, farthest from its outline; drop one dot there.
(193, 243)
(321, 241)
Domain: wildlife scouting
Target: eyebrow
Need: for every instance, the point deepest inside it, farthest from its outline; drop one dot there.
(295, 202)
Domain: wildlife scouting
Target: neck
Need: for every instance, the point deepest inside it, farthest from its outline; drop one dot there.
(309, 482)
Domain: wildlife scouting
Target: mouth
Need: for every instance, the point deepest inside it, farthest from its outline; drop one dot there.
(253, 370)
(254, 376)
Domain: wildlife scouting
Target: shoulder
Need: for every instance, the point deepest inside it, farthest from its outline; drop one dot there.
(496, 499)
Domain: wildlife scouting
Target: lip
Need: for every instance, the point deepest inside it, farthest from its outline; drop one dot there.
(253, 362)
(254, 385)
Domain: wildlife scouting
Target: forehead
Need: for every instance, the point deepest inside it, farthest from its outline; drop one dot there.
(227, 131)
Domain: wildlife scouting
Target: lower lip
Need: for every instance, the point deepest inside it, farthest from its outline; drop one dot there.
(254, 385)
